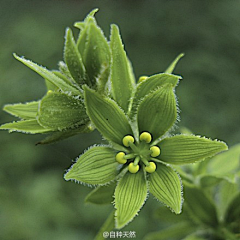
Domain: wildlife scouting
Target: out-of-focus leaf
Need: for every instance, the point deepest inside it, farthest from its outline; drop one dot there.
(225, 163)
(106, 227)
(23, 110)
(199, 206)
(102, 194)
(227, 191)
(233, 211)
(174, 232)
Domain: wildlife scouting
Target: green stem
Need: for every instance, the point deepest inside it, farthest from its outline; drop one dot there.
(145, 161)
(129, 156)
(136, 161)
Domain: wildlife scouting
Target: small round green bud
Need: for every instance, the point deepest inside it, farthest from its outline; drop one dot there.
(133, 168)
(145, 136)
(155, 151)
(127, 139)
(49, 92)
(120, 158)
(142, 78)
(151, 168)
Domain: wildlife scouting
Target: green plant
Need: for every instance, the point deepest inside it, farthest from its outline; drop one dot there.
(95, 88)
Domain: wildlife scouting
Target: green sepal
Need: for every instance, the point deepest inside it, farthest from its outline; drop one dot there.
(172, 66)
(102, 194)
(82, 25)
(65, 73)
(60, 111)
(121, 77)
(73, 59)
(23, 110)
(106, 115)
(151, 84)
(233, 211)
(165, 185)
(107, 226)
(65, 77)
(130, 195)
(200, 208)
(157, 112)
(96, 166)
(96, 53)
(176, 231)
(183, 149)
(26, 126)
(61, 135)
(49, 76)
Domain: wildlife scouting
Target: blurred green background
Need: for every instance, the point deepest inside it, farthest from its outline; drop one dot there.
(35, 202)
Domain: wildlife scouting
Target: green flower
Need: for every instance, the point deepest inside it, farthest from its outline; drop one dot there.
(140, 153)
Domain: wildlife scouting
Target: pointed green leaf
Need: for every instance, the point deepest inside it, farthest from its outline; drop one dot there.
(170, 69)
(106, 115)
(96, 166)
(26, 126)
(176, 231)
(233, 210)
(183, 149)
(102, 194)
(61, 135)
(73, 59)
(130, 195)
(157, 112)
(60, 111)
(199, 206)
(150, 84)
(108, 226)
(23, 110)
(165, 185)
(96, 55)
(121, 78)
(48, 75)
